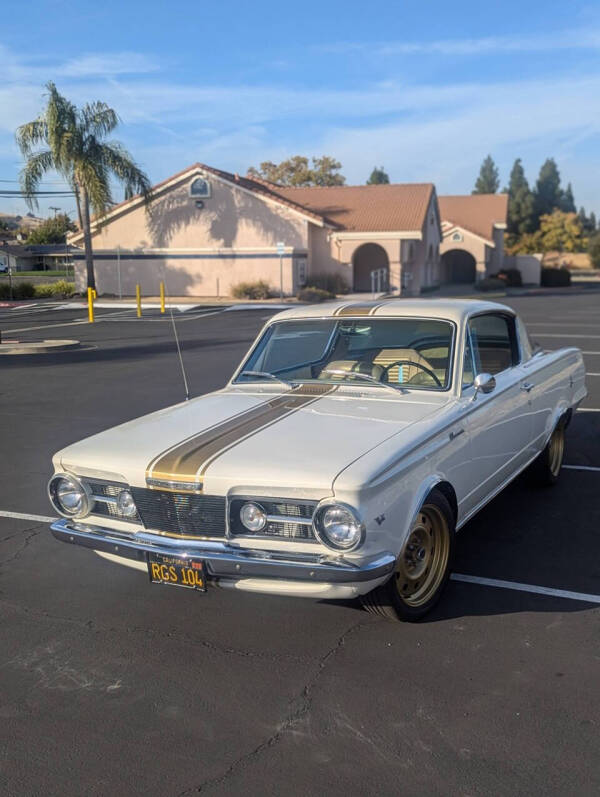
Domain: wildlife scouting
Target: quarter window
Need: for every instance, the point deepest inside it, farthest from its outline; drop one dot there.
(494, 343)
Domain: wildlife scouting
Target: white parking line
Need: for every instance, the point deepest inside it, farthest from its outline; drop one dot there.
(515, 585)
(23, 516)
(591, 373)
(590, 352)
(581, 467)
(563, 335)
(47, 326)
(588, 409)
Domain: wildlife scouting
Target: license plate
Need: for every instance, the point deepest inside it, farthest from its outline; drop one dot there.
(177, 571)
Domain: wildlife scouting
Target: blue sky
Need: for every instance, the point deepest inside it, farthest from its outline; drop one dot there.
(425, 89)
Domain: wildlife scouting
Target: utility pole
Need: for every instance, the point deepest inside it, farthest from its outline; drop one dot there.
(55, 210)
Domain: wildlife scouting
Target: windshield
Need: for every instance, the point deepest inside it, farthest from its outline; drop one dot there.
(398, 352)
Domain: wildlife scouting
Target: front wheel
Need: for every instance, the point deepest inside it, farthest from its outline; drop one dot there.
(545, 469)
(422, 568)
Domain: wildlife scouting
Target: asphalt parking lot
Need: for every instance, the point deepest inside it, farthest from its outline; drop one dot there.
(112, 686)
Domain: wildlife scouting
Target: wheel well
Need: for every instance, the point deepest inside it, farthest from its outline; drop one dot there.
(565, 418)
(447, 491)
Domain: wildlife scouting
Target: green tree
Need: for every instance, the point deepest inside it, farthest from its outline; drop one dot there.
(568, 200)
(488, 181)
(594, 250)
(561, 232)
(296, 171)
(52, 231)
(520, 202)
(548, 193)
(588, 223)
(73, 144)
(378, 177)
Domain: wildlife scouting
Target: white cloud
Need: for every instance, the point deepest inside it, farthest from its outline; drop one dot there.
(432, 132)
(581, 39)
(107, 65)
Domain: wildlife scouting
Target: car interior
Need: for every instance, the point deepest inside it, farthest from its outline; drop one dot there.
(411, 352)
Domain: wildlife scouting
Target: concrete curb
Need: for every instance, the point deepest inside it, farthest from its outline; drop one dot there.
(39, 347)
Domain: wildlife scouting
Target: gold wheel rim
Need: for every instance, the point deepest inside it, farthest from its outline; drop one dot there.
(422, 563)
(556, 448)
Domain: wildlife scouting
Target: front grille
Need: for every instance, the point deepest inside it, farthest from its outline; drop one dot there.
(277, 528)
(109, 490)
(180, 513)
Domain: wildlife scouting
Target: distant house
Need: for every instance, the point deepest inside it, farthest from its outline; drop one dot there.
(207, 230)
(473, 236)
(42, 257)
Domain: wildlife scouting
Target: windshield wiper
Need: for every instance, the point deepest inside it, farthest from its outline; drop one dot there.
(366, 377)
(267, 375)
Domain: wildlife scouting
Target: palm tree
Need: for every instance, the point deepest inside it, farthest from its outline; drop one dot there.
(74, 145)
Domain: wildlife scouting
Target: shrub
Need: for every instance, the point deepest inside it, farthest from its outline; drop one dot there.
(313, 294)
(333, 283)
(23, 290)
(63, 288)
(510, 276)
(44, 291)
(4, 290)
(490, 284)
(251, 290)
(555, 277)
(594, 250)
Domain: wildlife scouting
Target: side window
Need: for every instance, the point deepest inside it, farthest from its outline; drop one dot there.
(468, 365)
(494, 343)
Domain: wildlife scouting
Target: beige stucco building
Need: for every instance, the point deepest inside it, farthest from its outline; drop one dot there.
(207, 230)
(473, 236)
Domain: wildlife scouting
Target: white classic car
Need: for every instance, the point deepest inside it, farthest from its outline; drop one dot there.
(339, 461)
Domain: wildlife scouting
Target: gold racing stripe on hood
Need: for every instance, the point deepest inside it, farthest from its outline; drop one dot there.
(359, 309)
(182, 467)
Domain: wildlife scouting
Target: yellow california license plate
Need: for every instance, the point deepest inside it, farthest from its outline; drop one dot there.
(177, 571)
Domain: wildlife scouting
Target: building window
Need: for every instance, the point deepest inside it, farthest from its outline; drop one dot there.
(457, 236)
(200, 188)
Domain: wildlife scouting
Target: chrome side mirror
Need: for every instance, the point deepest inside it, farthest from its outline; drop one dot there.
(484, 382)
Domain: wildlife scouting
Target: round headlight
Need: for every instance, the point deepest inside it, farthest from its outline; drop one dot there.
(253, 517)
(338, 527)
(68, 496)
(126, 504)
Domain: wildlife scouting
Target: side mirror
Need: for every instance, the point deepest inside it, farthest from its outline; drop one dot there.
(484, 382)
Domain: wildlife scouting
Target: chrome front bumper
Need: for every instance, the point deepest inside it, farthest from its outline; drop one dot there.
(223, 560)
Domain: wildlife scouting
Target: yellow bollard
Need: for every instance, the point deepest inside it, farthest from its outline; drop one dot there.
(95, 294)
(162, 297)
(138, 298)
(91, 305)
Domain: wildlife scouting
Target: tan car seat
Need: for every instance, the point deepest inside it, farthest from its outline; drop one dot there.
(355, 366)
(388, 356)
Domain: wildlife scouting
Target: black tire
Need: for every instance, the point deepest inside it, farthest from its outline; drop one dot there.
(545, 468)
(433, 527)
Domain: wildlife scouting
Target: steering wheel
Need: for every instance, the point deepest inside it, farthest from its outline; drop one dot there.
(428, 371)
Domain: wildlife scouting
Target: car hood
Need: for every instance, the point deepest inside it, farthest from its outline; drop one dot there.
(237, 440)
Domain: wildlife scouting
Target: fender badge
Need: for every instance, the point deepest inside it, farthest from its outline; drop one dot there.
(379, 520)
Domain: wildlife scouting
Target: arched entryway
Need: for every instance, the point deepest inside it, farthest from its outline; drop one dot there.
(460, 266)
(368, 258)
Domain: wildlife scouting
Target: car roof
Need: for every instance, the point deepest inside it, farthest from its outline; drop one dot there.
(449, 309)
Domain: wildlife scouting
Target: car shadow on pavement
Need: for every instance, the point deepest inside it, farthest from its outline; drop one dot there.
(544, 537)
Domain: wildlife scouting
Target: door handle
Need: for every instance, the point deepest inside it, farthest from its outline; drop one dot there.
(527, 386)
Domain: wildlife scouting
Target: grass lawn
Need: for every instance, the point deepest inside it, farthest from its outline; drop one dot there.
(42, 274)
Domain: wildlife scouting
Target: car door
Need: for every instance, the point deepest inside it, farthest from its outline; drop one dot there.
(499, 422)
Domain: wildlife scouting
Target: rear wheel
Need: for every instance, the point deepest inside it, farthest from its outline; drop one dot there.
(422, 568)
(546, 468)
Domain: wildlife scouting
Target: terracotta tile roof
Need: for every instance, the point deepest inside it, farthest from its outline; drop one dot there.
(475, 212)
(355, 208)
(365, 208)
